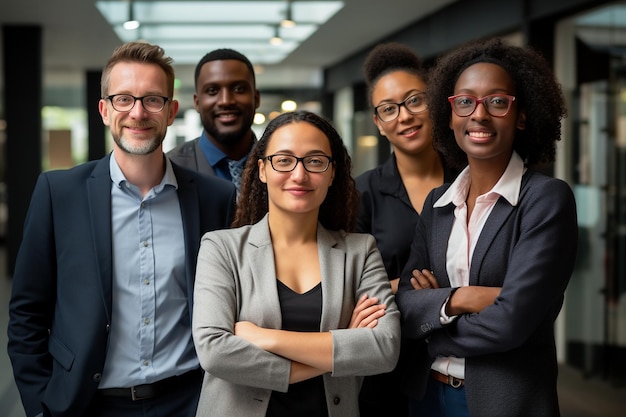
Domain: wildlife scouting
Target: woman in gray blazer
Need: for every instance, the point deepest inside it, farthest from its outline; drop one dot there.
(493, 251)
(291, 310)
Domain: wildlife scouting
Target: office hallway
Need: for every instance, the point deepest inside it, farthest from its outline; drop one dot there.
(579, 397)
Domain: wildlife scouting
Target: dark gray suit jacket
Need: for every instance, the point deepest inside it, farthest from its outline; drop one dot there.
(529, 250)
(60, 308)
(189, 155)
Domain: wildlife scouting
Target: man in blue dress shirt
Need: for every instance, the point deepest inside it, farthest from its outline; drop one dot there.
(100, 311)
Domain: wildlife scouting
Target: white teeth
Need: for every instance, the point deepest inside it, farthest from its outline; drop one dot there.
(480, 134)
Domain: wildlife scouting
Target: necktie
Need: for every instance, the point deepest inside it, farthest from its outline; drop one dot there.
(236, 168)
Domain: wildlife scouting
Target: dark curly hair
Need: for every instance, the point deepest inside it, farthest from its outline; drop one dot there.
(537, 93)
(337, 212)
(389, 57)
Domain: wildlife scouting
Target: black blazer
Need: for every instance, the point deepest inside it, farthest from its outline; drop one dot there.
(529, 250)
(60, 308)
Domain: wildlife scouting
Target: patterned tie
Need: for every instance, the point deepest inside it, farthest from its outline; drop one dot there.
(236, 168)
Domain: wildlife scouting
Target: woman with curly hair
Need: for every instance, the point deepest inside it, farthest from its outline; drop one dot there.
(291, 309)
(392, 194)
(493, 251)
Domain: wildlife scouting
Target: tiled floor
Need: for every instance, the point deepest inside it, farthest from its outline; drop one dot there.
(579, 397)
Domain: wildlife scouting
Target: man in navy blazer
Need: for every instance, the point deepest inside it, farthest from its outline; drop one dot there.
(100, 312)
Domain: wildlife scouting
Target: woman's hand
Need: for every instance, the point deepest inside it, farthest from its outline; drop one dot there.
(252, 333)
(471, 299)
(424, 279)
(394, 285)
(367, 312)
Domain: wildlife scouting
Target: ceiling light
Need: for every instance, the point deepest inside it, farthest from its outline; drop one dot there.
(131, 23)
(276, 39)
(259, 118)
(288, 105)
(187, 29)
(288, 21)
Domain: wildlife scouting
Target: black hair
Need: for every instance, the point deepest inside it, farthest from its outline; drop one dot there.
(537, 93)
(223, 54)
(339, 209)
(389, 57)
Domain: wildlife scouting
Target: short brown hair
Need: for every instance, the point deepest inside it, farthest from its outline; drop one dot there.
(142, 52)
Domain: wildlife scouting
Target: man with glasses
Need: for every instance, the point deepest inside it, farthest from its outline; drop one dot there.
(100, 314)
(226, 98)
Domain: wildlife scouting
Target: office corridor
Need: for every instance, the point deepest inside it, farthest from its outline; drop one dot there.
(579, 397)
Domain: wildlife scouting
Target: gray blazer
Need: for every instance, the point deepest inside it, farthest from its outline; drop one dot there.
(236, 281)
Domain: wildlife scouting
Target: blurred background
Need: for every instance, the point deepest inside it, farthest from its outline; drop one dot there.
(308, 54)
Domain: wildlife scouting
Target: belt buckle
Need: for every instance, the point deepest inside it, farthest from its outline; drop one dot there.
(135, 396)
(454, 382)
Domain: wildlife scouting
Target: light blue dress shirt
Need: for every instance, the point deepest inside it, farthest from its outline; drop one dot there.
(150, 335)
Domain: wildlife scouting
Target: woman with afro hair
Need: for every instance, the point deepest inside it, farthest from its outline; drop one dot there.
(494, 251)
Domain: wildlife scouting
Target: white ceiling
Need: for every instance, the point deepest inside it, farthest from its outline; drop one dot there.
(76, 38)
(187, 29)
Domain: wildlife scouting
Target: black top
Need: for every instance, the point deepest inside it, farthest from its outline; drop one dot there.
(303, 313)
(386, 212)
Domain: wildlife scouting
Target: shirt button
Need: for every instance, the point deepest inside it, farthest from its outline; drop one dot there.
(146, 320)
(145, 244)
(336, 400)
(97, 377)
(146, 281)
(145, 363)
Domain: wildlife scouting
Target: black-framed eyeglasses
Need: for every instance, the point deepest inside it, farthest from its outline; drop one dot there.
(497, 105)
(414, 104)
(126, 102)
(287, 163)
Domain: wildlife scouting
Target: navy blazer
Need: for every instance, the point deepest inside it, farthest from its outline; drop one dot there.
(529, 250)
(60, 308)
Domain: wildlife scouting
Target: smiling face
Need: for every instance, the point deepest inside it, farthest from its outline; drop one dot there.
(226, 99)
(480, 135)
(408, 133)
(297, 191)
(137, 131)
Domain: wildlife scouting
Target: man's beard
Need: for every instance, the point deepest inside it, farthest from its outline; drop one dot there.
(229, 139)
(145, 147)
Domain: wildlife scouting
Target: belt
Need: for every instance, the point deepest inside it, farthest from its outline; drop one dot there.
(447, 379)
(145, 391)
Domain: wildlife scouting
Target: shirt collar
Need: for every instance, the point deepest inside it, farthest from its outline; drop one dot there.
(212, 152)
(508, 186)
(118, 178)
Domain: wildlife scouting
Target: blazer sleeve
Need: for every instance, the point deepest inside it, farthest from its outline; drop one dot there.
(420, 309)
(539, 263)
(215, 312)
(31, 307)
(365, 351)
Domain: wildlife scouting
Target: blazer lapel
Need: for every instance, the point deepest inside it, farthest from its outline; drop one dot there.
(99, 201)
(333, 269)
(443, 216)
(263, 271)
(190, 213)
(497, 218)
